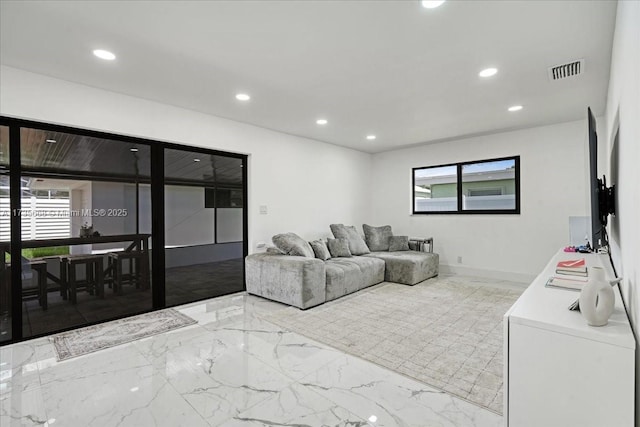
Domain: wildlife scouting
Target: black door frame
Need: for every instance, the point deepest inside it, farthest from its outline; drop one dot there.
(157, 182)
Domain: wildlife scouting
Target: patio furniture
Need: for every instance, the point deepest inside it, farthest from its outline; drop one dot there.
(138, 269)
(41, 268)
(39, 291)
(94, 275)
(138, 242)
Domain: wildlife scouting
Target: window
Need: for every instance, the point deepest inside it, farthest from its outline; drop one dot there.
(435, 189)
(222, 198)
(484, 186)
(484, 192)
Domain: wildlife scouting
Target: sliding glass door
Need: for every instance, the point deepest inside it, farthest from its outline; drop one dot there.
(203, 217)
(6, 319)
(85, 227)
(95, 227)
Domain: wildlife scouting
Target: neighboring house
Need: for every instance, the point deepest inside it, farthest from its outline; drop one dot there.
(45, 213)
(480, 190)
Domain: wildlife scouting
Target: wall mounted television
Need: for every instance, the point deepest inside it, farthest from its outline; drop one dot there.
(602, 197)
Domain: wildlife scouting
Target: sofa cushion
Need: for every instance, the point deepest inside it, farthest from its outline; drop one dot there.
(274, 250)
(338, 248)
(377, 238)
(357, 246)
(348, 275)
(398, 243)
(292, 244)
(320, 249)
(408, 267)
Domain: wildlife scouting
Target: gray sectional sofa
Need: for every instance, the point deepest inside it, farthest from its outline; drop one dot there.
(302, 275)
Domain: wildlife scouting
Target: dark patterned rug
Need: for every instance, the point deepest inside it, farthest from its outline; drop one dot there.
(98, 337)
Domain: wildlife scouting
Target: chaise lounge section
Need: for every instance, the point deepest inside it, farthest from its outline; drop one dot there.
(306, 274)
(407, 267)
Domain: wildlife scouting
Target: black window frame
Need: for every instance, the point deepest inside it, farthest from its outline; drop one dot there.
(459, 182)
(14, 171)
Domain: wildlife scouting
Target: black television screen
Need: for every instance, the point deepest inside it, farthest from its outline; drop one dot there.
(596, 227)
(602, 197)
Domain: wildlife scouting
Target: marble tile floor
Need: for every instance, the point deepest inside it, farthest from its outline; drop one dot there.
(231, 369)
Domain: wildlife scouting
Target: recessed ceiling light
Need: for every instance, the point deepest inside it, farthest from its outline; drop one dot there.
(488, 72)
(515, 108)
(50, 141)
(322, 121)
(243, 97)
(196, 160)
(371, 137)
(432, 4)
(104, 54)
(134, 150)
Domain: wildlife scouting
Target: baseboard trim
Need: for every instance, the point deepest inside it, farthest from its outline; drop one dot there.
(523, 278)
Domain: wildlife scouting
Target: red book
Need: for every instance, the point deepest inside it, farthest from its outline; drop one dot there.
(572, 263)
(573, 267)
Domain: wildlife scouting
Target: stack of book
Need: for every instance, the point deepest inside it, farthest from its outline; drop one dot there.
(564, 269)
(575, 267)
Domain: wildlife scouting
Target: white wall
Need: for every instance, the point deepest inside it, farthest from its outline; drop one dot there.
(305, 184)
(187, 221)
(553, 171)
(80, 200)
(229, 225)
(623, 113)
(144, 206)
(109, 195)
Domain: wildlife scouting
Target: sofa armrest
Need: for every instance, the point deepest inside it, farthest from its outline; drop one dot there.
(293, 280)
(421, 244)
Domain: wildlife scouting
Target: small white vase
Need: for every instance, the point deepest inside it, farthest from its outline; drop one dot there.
(597, 299)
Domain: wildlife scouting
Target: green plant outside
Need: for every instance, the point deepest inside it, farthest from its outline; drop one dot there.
(41, 252)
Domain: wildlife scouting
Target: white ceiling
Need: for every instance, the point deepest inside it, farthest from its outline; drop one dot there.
(391, 68)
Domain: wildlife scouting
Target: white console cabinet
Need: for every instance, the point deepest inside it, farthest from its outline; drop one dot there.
(558, 370)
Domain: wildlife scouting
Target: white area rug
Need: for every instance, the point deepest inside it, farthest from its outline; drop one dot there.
(98, 337)
(445, 332)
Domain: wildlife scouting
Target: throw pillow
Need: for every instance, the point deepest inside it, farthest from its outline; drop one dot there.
(357, 246)
(320, 249)
(292, 244)
(338, 248)
(274, 250)
(377, 238)
(398, 243)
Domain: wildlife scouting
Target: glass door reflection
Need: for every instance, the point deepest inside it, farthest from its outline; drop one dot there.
(85, 227)
(5, 237)
(203, 225)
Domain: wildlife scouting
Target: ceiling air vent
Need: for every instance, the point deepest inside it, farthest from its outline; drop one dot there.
(563, 71)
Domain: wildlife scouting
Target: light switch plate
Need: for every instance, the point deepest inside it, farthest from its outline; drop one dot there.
(263, 209)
